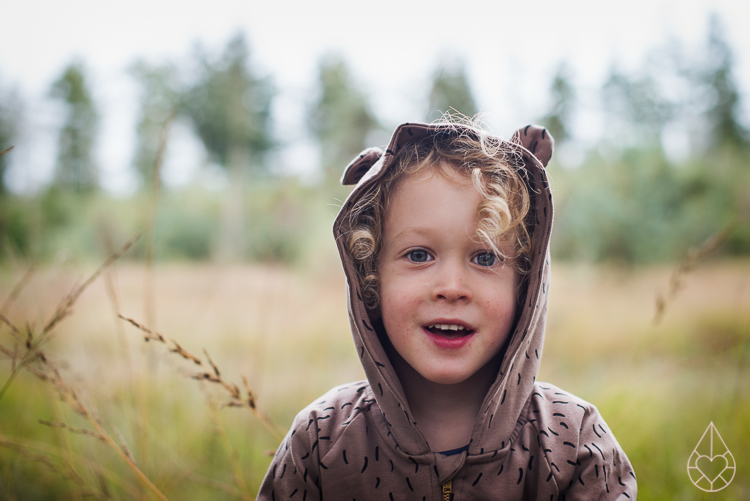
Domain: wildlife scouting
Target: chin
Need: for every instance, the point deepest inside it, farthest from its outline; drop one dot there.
(447, 378)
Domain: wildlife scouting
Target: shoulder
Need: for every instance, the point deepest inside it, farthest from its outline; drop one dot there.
(581, 451)
(337, 405)
(297, 464)
(323, 421)
(550, 403)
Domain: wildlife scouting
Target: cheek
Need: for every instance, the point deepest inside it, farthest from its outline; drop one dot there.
(393, 305)
(397, 303)
(503, 305)
(393, 288)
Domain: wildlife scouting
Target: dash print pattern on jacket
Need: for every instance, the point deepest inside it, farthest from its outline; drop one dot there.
(531, 440)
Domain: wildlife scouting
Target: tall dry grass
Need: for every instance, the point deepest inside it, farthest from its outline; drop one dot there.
(286, 333)
(244, 315)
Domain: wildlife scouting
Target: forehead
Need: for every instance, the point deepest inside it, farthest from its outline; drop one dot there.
(422, 173)
(432, 198)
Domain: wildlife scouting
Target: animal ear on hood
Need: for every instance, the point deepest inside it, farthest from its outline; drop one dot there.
(537, 140)
(360, 165)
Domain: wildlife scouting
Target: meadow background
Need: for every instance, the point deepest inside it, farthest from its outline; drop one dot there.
(227, 258)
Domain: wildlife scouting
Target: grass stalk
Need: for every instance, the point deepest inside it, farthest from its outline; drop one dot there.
(44, 453)
(17, 289)
(237, 399)
(141, 476)
(693, 258)
(49, 373)
(66, 306)
(149, 296)
(64, 439)
(33, 343)
(10, 380)
(230, 450)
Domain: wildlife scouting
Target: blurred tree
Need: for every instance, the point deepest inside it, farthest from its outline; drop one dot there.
(563, 96)
(450, 90)
(160, 96)
(14, 230)
(340, 118)
(75, 168)
(640, 205)
(723, 97)
(230, 108)
(11, 111)
(636, 109)
(637, 208)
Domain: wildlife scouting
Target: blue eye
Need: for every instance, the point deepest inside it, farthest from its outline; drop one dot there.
(485, 259)
(418, 256)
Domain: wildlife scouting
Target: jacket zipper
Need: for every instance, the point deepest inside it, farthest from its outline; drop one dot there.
(448, 490)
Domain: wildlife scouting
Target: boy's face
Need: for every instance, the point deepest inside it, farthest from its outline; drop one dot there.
(447, 302)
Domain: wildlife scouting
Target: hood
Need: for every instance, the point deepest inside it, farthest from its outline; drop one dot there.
(508, 394)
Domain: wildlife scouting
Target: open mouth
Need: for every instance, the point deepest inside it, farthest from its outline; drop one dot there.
(450, 331)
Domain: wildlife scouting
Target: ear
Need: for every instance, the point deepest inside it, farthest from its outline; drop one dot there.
(360, 165)
(537, 140)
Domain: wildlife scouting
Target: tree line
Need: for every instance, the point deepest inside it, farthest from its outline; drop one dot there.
(626, 198)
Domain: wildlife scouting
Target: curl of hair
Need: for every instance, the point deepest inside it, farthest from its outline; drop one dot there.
(496, 170)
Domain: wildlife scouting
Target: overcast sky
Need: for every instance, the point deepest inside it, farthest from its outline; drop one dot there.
(511, 49)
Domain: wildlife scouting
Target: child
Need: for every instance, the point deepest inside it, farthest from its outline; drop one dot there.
(444, 242)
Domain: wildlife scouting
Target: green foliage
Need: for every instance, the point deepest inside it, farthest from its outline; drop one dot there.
(635, 108)
(722, 96)
(11, 113)
(642, 208)
(628, 201)
(186, 227)
(450, 90)
(16, 226)
(230, 106)
(45, 226)
(75, 168)
(283, 221)
(563, 97)
(341, 117)
(286, 218)
(159, 101)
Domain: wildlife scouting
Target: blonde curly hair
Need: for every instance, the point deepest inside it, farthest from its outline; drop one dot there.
(496, 170)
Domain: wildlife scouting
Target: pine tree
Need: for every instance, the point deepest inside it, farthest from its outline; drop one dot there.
(722, 116)
(562, 92)
(11, 115)
(75, 168)
(230, 109)
(159, 100)
(340, 118)
(450, 91)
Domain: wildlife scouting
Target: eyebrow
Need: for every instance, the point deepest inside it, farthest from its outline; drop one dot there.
(416, 230)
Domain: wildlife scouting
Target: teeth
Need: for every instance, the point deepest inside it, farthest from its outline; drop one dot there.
(447, 327)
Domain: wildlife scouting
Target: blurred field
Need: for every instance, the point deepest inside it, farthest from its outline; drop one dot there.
(286, 330)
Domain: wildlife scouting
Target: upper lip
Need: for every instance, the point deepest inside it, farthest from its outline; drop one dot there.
(449, 321)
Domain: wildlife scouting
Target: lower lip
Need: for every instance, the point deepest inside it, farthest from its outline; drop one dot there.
(450, 343)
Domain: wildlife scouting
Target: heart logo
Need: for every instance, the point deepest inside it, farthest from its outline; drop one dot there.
(711, 467)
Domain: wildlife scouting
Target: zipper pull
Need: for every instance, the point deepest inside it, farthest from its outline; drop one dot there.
(448, 490)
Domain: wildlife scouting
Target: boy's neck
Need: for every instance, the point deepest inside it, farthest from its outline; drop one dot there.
(445, 414)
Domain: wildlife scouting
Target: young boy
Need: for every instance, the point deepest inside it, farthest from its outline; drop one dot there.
(444, 242)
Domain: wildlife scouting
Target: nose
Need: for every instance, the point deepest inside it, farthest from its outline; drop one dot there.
(451, 283)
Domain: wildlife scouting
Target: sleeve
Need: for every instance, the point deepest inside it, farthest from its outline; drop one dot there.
(295, 469)
(603, 471)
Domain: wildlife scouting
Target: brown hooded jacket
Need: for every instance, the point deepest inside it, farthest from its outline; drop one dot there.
(531, 440)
